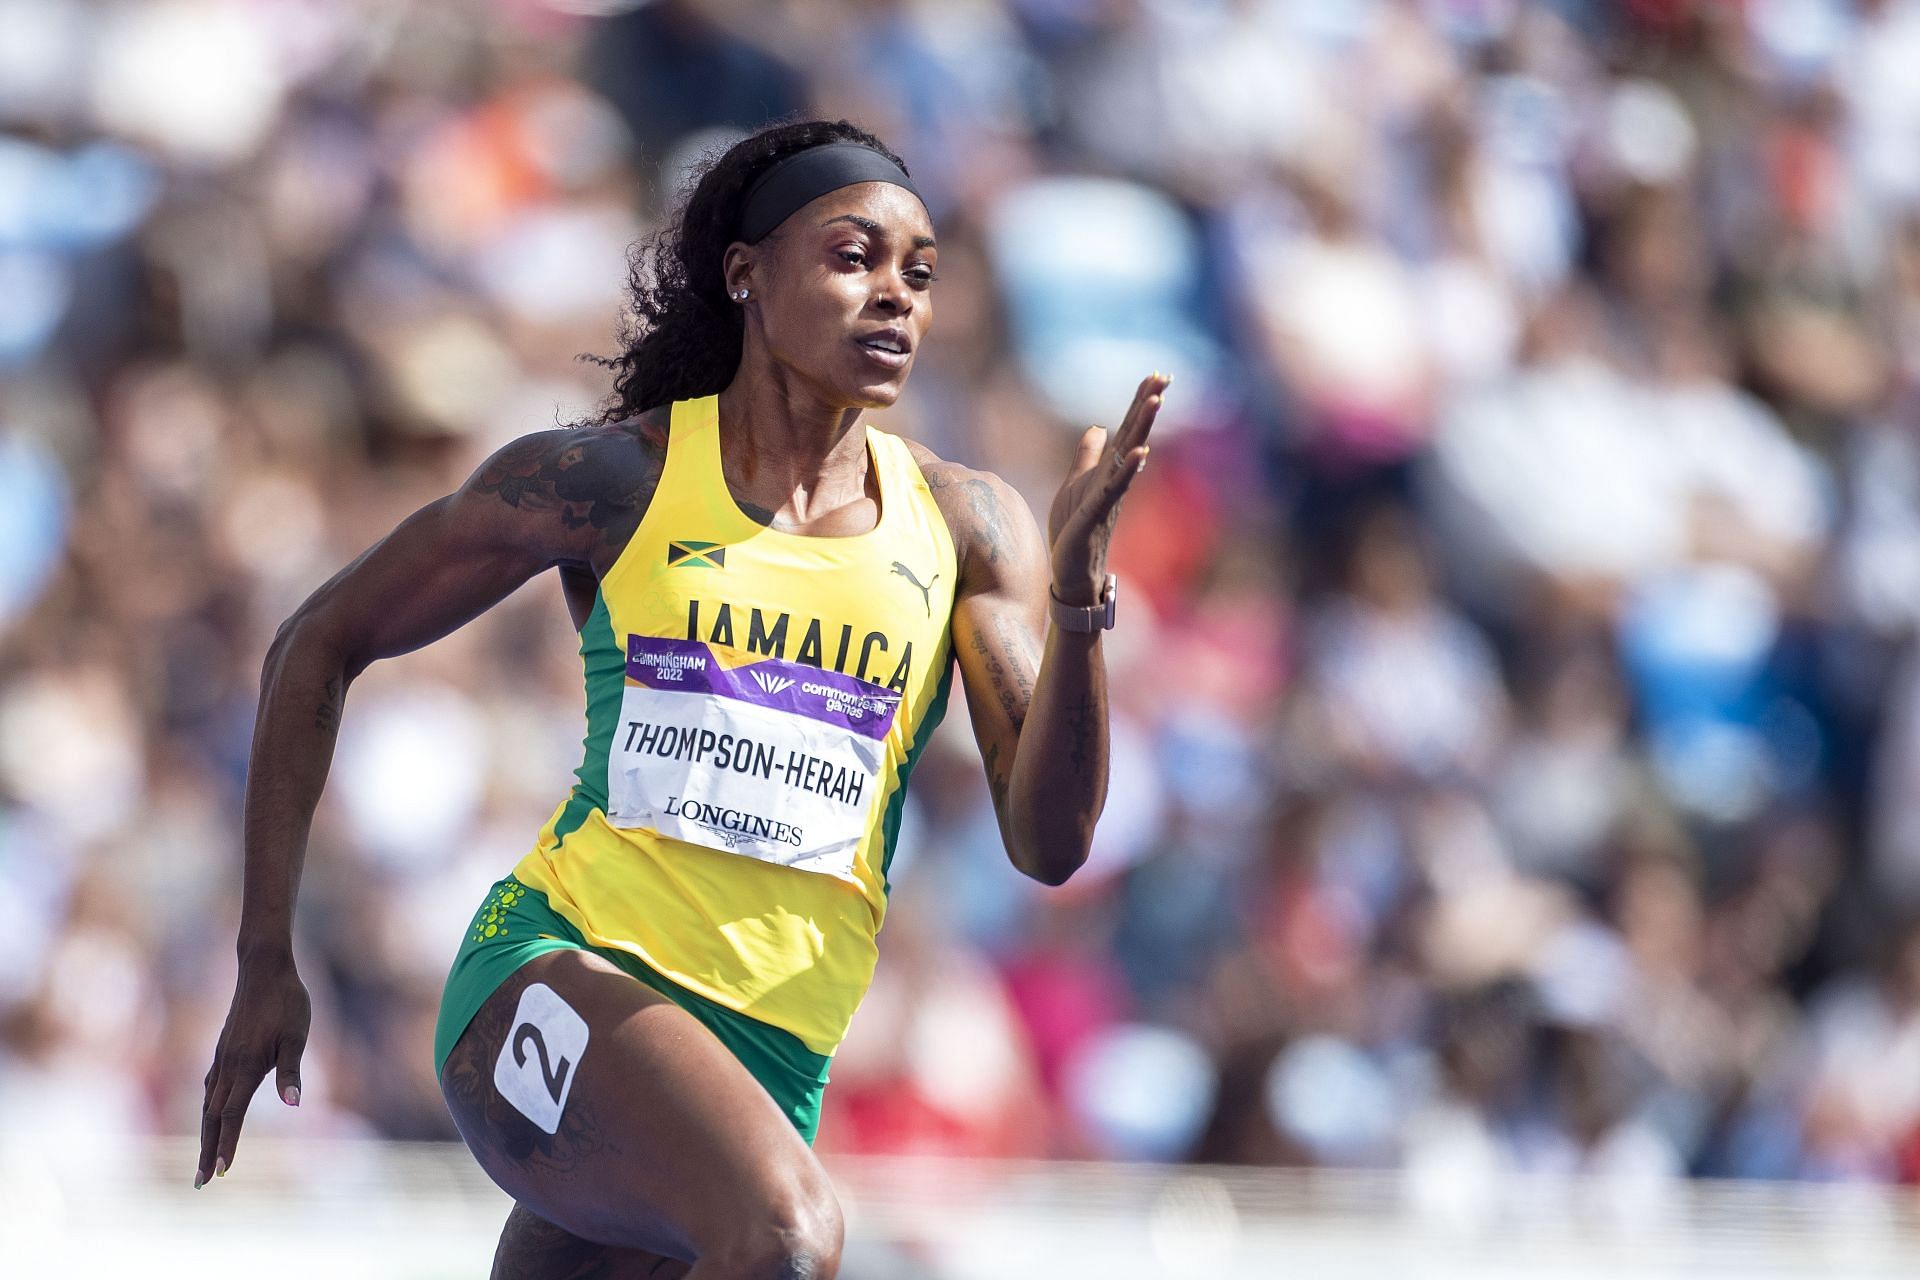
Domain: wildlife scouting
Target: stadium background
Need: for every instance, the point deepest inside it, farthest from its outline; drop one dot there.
(1516, 773)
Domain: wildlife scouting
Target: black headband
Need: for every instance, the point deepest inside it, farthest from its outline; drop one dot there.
(804, 176)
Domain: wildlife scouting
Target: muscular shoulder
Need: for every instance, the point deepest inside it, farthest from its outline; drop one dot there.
(580, 490)
(989, 520)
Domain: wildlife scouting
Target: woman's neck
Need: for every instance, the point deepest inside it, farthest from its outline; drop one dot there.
(786, 449)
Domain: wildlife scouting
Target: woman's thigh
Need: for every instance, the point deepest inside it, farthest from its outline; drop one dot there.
(607, 1110)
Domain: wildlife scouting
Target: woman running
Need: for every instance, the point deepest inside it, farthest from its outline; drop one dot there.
(771, 596)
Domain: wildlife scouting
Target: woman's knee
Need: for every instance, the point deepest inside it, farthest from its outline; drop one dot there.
(796, 1237)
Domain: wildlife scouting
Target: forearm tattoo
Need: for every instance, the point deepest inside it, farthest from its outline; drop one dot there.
(999, 779)
(1005, 688)
(1083, 730)
(1023, 660)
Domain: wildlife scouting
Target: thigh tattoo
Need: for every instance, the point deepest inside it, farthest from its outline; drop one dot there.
(510, 1081)
(546, 1028)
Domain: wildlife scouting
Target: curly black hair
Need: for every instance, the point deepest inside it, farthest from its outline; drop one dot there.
(682, 335)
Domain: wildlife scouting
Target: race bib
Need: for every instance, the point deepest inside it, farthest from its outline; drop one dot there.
(772, 759)
(536, 1064)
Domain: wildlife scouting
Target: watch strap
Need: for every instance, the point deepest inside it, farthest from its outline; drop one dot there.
(1085, 617)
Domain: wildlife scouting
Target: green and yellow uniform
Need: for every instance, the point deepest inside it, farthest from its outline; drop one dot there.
(755, 703)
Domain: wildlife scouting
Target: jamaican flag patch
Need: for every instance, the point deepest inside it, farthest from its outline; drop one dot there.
(696, 555)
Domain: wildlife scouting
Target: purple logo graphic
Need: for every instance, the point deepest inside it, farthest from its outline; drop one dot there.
(830, 697)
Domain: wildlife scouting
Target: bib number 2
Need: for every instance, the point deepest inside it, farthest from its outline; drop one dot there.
(538, 1063)
(528, 1034)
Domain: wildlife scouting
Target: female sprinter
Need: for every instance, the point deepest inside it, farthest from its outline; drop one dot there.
(771, 595)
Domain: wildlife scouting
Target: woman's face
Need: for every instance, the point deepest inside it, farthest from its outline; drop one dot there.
(851, 269)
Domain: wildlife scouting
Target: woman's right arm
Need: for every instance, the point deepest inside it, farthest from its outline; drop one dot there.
(548, 499)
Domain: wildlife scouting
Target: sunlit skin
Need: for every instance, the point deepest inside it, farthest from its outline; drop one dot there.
(855, 260)
(671, 1155)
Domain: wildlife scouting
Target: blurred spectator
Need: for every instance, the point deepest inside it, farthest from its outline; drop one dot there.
(1517, 726)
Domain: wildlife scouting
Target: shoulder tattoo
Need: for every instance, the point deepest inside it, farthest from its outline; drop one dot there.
(974, 512)
(598, 478)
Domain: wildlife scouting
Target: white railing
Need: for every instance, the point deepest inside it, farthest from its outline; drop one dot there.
(361, 1209)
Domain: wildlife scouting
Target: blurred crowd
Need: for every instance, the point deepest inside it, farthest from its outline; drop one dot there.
(1516, 726)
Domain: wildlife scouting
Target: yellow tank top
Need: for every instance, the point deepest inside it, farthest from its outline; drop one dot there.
(755, 703)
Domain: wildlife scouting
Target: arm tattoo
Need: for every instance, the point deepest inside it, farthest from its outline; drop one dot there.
(598, 477)
(1021, 657)
(981, 517)
(988, 519)
(998, 781)
(1011, 665)
(1010, 668)
(1084, 724)
(326, 716)
(1010, 697)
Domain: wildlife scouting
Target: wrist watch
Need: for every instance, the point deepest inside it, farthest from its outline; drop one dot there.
(1085, 617)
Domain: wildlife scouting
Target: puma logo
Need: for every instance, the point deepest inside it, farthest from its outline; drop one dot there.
(926, 588)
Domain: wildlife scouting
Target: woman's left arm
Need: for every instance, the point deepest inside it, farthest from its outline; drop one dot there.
(1039, 709)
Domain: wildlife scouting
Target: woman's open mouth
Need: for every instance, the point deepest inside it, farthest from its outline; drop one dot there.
(882, 354)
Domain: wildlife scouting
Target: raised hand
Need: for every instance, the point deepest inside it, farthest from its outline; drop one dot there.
(1080, 524)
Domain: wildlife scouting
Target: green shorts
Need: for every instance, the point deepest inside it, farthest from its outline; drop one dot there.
(515, 924)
